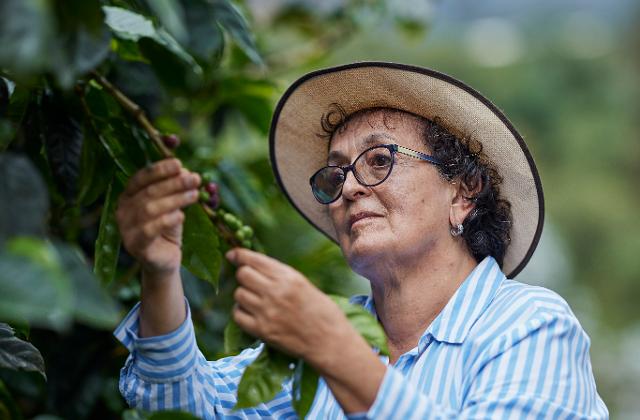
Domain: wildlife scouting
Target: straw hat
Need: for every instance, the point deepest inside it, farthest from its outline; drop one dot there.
(297, 152)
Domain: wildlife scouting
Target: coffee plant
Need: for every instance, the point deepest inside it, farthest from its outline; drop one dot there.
(90, 92)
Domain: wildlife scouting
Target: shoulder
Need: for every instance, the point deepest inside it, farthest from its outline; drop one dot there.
(518, 299)
(519, 311)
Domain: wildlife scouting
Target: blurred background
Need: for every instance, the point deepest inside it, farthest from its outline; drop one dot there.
(565, 72)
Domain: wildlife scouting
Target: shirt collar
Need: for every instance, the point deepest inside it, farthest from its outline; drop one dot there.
(465, 306)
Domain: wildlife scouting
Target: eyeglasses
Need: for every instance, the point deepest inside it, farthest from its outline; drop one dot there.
(372, 167)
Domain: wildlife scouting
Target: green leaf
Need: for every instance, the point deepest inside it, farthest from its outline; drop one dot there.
(126, 24)
(24, 201)
(235, 339)
(171, 15)
(108, 241)
(96, 168)
(244, 187)
(173, 65)
(33, 285)
(49, 284)
(206, 39)
(169, 69)
(78, 51)
(364, 323)
(305, 385)
(232, 20)
(4, 96)
(115, 133)
(116, 146)
(41, 38)
(63, 137)
(25, 27)
(18, 100)
(200, 245)
(127, 50)
(117, 137)
(7, 134)
(17, 354)
(92, 305)
(263, 379)
(253, 98)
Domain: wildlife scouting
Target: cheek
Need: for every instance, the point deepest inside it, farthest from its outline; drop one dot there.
(419, 201)
(338, 218)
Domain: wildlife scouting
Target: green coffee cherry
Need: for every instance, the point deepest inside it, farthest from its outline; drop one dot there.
(240, 235)
(246, 243)
(204, 196)
(247, 231)
(206, 178)
(232, 221)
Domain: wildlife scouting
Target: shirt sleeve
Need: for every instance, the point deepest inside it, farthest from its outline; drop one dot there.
(537, 370)
(169, 372)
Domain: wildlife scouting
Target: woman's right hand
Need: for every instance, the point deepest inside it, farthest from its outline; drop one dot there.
(149, 214)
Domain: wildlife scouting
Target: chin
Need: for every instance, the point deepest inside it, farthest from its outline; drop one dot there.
(363, 251)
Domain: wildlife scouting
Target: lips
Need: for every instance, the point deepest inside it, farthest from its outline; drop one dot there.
(361, 215)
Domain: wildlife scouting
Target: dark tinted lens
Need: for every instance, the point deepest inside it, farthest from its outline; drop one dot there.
(327, 183)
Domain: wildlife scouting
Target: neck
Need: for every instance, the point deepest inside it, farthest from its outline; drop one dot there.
(409, 295)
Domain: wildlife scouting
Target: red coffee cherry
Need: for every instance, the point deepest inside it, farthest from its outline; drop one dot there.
(171, 141)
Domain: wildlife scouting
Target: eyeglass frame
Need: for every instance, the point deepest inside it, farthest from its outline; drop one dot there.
(393, 149)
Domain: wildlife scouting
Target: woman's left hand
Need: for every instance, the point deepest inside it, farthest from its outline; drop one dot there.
(279, 305)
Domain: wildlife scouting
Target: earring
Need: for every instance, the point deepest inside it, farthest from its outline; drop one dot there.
(457, 230)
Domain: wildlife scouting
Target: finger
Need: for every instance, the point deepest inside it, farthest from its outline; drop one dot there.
(244, 319)
(253, 280)
(151, 230)
(186, 180)
(247, 299)
(156, 172)
(155, 208)
(261, 262)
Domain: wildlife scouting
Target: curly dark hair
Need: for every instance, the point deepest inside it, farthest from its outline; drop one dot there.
(486, 228)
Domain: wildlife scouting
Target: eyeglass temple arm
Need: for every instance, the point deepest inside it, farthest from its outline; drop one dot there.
(415, 154)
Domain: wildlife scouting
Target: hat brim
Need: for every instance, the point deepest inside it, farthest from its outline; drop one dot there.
(296, 151)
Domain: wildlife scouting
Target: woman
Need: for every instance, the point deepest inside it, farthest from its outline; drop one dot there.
(432, 196)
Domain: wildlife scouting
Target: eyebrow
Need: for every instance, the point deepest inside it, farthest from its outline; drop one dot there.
(371, 140)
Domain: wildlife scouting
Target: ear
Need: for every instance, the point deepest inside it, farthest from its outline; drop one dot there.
(461, 202)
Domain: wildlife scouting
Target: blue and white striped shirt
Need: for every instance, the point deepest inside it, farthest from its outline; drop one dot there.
(498, 349)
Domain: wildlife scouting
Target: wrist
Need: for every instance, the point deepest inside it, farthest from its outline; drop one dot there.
(153, 278)
(335, 347)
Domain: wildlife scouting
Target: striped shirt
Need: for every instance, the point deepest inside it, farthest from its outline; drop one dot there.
(498, 349)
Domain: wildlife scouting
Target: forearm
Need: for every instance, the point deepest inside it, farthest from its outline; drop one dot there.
(162, 307)
(352, 371)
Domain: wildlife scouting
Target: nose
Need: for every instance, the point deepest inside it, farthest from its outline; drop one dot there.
(352, 189)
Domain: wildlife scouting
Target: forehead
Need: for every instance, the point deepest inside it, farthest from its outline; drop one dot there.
(367, 129)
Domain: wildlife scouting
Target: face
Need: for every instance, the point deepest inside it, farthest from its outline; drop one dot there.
(404, 217)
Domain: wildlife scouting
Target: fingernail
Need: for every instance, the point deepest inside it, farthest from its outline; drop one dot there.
(231, 255)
